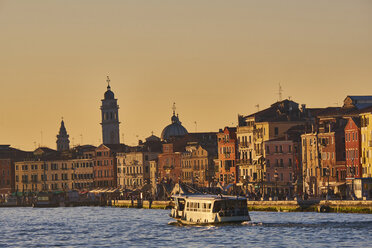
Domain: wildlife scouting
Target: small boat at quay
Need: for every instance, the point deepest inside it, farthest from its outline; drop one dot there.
(46, 200)
(209, 209)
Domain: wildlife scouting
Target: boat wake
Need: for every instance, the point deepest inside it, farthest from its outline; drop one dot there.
(250, 223)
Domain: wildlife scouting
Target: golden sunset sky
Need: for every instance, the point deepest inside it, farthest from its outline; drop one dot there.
(214, 58)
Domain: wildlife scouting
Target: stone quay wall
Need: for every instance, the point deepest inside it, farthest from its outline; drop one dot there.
(276, 206)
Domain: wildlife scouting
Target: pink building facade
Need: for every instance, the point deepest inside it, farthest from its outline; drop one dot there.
(282, 167)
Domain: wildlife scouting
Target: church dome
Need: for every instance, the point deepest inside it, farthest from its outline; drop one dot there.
(174, 129)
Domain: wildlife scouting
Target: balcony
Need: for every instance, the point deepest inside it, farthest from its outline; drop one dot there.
(243, 161)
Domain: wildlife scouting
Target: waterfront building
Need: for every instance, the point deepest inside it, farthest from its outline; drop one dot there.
(255, 129)
(353, 153)
(366, 144)
(6, 176)
(197, 165)
(352, 148)
(82, 165)
(30, 176)
(283, 165)
(324, 159)
(133, 166)
(227, 170)
(105, 164)
(46, 170)
(8, 156)
(169, 162)
(154, 177)
(310, 163)
(110, 117)
(332, 155)
(63, 143)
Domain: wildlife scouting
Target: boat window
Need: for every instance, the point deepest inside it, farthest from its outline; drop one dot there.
(205, 207)
(231, 207)
(217, 206)
(193, 206)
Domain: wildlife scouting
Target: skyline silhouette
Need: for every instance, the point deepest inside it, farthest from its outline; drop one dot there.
(215, 59)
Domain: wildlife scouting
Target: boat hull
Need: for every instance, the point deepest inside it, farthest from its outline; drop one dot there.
(185, 222)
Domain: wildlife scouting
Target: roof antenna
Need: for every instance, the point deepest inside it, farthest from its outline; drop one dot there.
(280, 92)
(258, 107)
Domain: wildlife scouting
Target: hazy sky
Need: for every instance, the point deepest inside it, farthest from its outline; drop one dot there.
(215, 59)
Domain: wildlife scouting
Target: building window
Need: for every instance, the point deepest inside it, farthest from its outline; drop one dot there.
(276, 131)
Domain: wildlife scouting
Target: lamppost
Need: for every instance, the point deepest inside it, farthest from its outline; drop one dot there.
(276, 177)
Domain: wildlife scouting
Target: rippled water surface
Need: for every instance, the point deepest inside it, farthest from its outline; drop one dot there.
(122, 227)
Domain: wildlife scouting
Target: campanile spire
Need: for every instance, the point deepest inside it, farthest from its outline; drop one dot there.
(110, 117)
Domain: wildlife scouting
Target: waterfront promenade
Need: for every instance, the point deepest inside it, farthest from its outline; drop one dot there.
(336, 206)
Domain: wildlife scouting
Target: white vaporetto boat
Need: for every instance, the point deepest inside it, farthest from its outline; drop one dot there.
(209, 209)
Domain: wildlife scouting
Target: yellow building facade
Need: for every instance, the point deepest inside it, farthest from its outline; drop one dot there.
(366, 143)
(34, 176)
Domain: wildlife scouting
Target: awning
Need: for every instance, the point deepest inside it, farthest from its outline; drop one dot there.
(17, 193)
(337, 184)
(332, 185)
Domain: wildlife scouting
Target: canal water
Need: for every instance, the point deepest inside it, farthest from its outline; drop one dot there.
(123, 227)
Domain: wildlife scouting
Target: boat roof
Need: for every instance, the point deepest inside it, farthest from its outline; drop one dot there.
(209, 197)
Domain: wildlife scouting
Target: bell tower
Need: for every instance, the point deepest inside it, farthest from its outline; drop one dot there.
(63, 143)
(110, 117)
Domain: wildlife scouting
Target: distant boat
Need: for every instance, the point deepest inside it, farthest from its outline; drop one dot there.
(46, 200)
(209, 209)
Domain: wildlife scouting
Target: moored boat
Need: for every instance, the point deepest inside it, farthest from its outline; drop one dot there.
(46, 200)
(209, 209)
